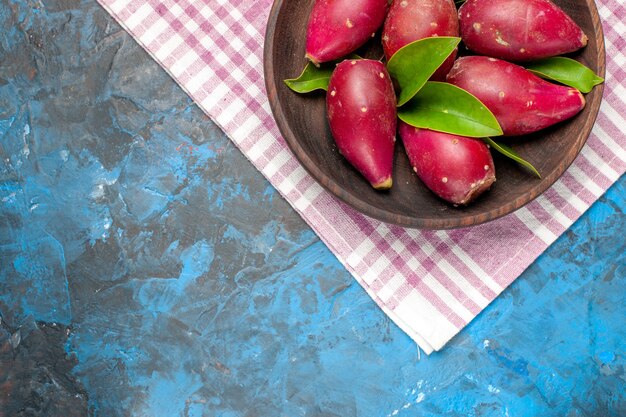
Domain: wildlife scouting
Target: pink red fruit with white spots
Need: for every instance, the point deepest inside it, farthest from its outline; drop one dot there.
(518, 30)
(411, 20)
(521, 102)
(361, 108)
(456, 168)
(338, 27)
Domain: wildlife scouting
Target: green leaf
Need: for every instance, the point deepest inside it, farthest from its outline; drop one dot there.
(315, 78)
(510, 153)
(566, 71)
(312, 78)
(413, 64)
(447, 108)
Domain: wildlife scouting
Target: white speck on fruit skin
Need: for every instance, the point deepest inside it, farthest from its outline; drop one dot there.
(363, 109)
(472, 185)
(381, 75)
(529, 103)
(492, 59)
(353, 62)
(455, 141)
(433, 24)
(499, 39)
(349, 23)
(444, 180)
(522, 50)
(501, 94)
(373, 34)
(476, 27)
(333, 93)
(404, 3)
(415, 169)
(486, 167)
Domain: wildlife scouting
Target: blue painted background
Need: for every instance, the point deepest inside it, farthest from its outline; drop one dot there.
(146, 268)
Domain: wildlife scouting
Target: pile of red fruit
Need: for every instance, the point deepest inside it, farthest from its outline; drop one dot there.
(361, 99)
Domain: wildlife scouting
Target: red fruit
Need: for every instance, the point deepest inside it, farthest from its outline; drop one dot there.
(521, 102)
(411, 20)
(338, 27)
(456, 168)
(518, 30)
(361, 108)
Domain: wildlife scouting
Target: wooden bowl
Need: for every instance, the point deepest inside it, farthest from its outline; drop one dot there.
(302, 121)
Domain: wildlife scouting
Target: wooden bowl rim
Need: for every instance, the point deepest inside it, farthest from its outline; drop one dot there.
(463, 220)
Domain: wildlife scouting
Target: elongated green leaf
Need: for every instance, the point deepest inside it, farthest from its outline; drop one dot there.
(413, 64)
(566, 71)
(510, 153)
(315, 78)
(312, 78)
(447, 108)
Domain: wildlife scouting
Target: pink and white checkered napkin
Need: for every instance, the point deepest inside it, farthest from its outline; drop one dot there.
(431, 283)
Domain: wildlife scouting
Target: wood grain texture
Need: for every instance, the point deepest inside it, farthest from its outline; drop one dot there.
(303, 123)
